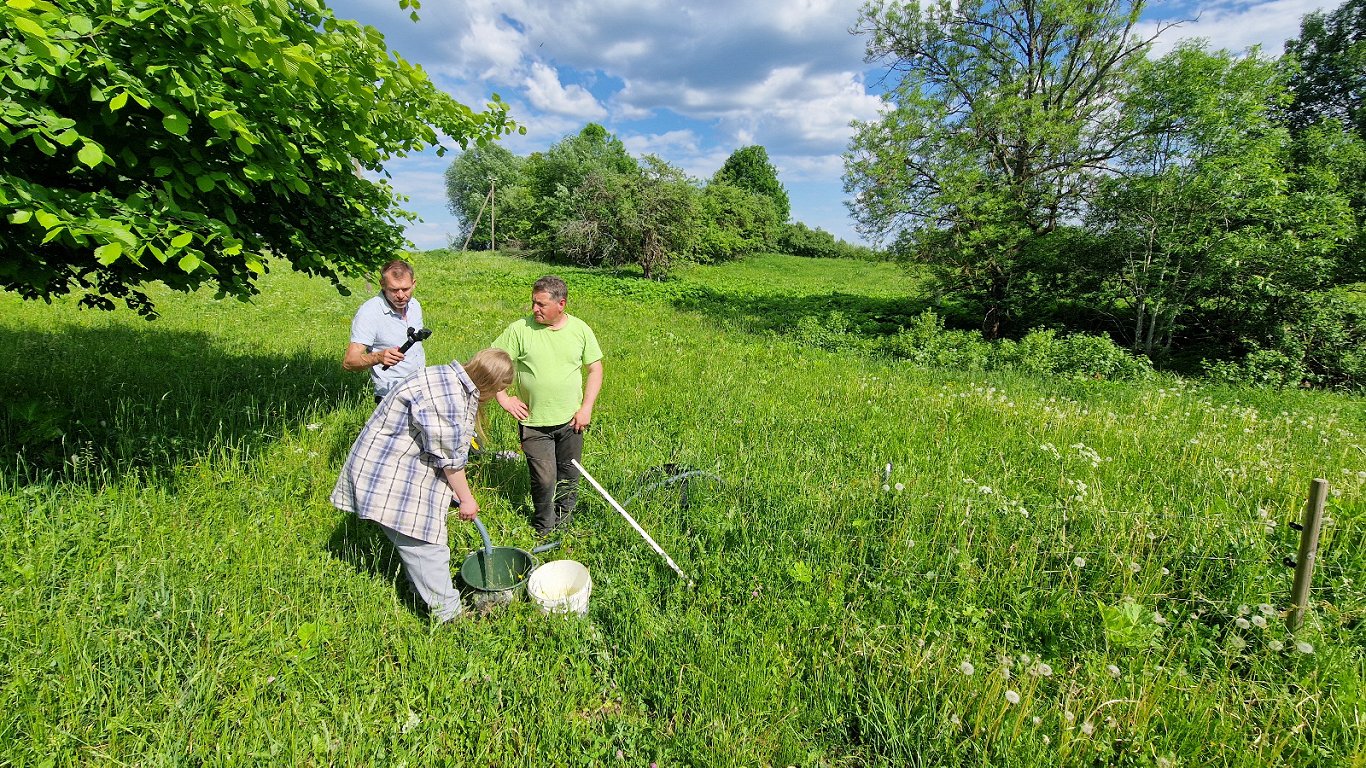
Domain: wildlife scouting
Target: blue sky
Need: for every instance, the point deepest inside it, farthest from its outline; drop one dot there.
(693, 80)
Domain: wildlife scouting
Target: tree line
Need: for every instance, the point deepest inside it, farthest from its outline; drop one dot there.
(587, 200)
(1203, 207)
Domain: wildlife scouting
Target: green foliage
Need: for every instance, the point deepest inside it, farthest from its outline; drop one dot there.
(1129, 626)
(1212, 217)
(1327, 62)
(1000, 121)
(189, 143)
(506, 216)
(801, 240)
(733, 222)
(643, 218)
(927, 342)
(748, 168)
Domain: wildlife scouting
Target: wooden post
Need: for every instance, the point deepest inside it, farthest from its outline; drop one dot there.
(1309, 549)
(477, 217)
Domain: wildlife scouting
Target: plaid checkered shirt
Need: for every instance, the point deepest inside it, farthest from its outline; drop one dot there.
(395, 474)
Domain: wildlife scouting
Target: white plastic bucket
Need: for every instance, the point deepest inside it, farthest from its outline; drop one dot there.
(561, 586)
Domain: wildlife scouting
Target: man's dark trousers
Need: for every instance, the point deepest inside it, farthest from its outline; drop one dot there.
(554, 481)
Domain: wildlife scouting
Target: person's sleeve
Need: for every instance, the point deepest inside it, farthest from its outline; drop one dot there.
(362, 330)
(508, 342)
(591, 351)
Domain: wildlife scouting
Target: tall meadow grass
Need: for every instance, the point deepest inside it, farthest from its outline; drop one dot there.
(895, 565)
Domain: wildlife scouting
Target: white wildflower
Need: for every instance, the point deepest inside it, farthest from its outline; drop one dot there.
(314, 427)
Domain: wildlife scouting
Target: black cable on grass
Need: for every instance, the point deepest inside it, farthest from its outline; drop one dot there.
(672, 474)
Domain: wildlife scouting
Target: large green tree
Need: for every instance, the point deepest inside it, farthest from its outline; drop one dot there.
(487, 185)
(749, 168)
(733, 222)
(1327, 115)
(1211, 218)
(1000, 118)
(192, 142)
(1329, 68)
(644, 217)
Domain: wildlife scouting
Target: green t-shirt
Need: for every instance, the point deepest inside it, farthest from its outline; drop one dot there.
(549, 366)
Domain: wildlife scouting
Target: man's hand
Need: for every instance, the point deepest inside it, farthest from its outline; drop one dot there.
(582, 418)
(513, 405)
(357, 359)
(469, 509)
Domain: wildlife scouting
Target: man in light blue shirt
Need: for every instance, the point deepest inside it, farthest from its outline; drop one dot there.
(381, 326)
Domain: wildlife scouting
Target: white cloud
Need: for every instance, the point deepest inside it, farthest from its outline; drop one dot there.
(1236, 26)
(545, 91)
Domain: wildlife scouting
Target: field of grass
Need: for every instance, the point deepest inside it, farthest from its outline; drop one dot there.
(1052, 572)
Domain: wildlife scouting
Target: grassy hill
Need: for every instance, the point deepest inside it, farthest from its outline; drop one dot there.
(1053, 572)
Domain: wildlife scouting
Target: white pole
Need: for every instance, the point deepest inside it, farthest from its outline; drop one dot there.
(632, 521)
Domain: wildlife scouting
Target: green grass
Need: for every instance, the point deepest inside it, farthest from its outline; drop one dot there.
(175, 587)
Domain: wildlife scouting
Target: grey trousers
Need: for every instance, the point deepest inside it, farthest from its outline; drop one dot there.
(554, 481)
(429, 569)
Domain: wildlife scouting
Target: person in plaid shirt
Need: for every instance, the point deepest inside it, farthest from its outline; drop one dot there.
(407, 467)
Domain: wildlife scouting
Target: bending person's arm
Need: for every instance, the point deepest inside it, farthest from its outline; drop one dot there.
(584, 416)
(460, 489)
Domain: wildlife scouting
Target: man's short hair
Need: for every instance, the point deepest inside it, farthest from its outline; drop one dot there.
(552, 285)
(397, 268)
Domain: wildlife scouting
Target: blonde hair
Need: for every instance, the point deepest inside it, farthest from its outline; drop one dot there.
(492, 371)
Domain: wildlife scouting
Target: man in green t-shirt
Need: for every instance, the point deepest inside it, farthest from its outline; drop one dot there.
(554, 404)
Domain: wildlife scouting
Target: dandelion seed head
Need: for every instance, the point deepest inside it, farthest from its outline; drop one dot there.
(886, 487)
(1259, 622)
(1036, 720)
(1166, 571)
(1079, 561)
(1113, 670)
(1012, 697)
(1242, 623)
(1276, 645)
(1087, 728)
(1267, 610)
(967, 668)
(1304, 647)
(1133, 568)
